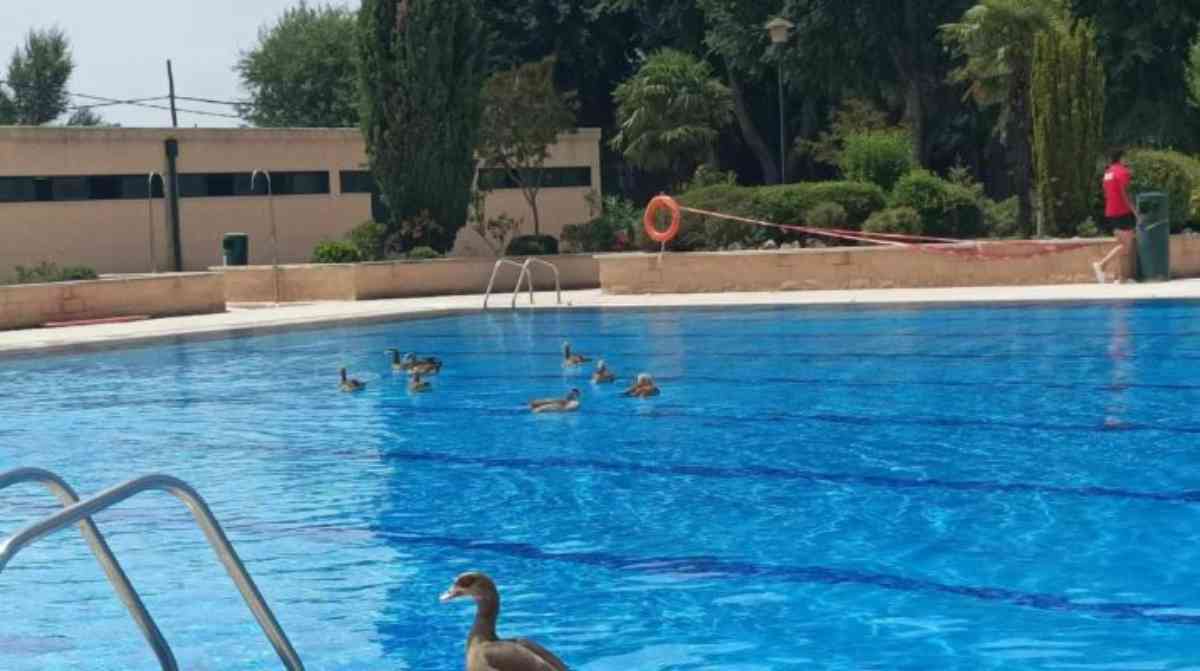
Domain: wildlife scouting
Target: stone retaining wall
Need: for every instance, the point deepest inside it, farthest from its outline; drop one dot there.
(31, 305)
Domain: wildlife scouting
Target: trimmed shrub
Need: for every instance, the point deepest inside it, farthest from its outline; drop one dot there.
(532, 245)
(827, 215)
(613, 230)
(370, 238)
(878, 157)
(789, 204)
(1000, 218)
(903, 220)
(423, 253)
(946, 209)
(335, 251)
(47, 272)
(1169, 172)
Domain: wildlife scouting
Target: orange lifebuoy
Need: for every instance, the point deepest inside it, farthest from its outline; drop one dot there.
(652, 209)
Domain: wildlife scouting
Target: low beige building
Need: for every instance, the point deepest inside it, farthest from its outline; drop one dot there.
(86, 196)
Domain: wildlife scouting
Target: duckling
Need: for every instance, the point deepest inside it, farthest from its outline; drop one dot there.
(428, 366)
(602, 374)
(568, 404)
(351, 384)
(644, 387)
(572, 360)
(416, 385)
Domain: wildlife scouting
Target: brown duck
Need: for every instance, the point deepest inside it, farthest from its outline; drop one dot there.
(486, 652)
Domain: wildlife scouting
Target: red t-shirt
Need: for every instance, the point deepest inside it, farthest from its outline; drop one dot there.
(1116, 180)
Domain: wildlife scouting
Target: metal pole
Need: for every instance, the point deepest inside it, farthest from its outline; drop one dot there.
(150, 211)
(171, 85)
(782, 133)
(274, 230)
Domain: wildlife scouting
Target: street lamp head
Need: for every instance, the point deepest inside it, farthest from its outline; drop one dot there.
(779, 28)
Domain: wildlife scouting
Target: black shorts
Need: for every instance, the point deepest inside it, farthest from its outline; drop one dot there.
(1123, 223)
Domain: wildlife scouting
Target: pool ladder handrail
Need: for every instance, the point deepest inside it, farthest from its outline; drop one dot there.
(85, 509)
(104, 555)
(525, 273)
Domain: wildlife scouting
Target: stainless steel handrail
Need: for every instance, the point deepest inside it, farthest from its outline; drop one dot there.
(492, 282)
(112, 568)
(526, 273)
(204, 518)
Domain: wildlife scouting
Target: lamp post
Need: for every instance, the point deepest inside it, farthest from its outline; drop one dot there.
(780, 29)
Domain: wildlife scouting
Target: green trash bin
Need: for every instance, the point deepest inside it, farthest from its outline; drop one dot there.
(236, 248)
(1153, 237)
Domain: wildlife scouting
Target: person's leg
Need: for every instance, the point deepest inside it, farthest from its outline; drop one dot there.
(1122, 229)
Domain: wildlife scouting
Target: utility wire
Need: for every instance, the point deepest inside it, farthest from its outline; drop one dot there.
(146, 103)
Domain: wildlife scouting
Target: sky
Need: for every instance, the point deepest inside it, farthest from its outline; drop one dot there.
(121, 47)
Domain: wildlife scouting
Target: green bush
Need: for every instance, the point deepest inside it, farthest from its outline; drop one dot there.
(789, 204)
(532, 245)
(423, 253)
(335, 251)
(614, 230)
(827, 215)
(946, 209)
(1001, 219)
(1169, 172)
(47, 272)
(878, 157)
(709, 175)
(370, 238)
(903, 220)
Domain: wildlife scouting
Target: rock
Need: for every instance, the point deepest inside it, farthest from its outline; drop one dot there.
(769, 244)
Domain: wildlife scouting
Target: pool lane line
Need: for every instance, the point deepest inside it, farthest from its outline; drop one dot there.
(709, 567)
(789, 474)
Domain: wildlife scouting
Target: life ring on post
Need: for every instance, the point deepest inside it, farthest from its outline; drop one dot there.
(657, 203)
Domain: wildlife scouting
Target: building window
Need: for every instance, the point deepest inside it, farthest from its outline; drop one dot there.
(226, 184)
(75, 188)
(357, 181)
(499, 178)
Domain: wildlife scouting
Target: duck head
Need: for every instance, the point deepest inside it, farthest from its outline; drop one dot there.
(343, 373)
(573, 395)
(566, 350)
(474, 584)
(601, 366)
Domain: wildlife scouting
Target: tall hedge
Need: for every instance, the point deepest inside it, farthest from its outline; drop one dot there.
(1169, 172)
(1068, 125)
(421, 70)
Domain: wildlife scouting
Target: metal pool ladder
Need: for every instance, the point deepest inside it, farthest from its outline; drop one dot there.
(80, 512)
(526, 274)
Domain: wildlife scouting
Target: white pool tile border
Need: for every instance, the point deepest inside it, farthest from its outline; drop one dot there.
(249, 319)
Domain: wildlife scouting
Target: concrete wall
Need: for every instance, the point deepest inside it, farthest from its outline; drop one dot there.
(398, 279)
(30, 305)
(113, 236)
(864, 268)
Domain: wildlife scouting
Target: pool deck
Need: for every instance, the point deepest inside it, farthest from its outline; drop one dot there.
(247, 318)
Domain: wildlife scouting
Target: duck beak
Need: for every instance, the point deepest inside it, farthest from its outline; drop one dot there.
(450, 595)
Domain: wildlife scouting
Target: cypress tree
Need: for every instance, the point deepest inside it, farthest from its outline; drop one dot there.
(1068, 125)
(422, 72)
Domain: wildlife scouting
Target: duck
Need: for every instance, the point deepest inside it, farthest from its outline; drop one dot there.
(417, 385)
(643, 387)
(568, 404)
(351, 384)
(485, 650)
(571, 360)
(602, 374)
(409, 363)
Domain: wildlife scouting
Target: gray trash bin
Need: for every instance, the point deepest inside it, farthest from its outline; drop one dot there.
(1153, 237)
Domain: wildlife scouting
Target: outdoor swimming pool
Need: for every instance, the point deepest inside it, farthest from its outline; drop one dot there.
(938, 488)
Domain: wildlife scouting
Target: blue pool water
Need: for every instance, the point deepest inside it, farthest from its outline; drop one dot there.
(950, 488)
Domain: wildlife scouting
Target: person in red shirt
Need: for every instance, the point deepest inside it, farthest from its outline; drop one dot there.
(1120, 216)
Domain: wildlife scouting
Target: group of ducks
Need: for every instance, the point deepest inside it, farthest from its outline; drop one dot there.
(420, 368)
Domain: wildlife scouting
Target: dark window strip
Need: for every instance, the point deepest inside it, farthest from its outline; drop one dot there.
(76, 188)
(228, 184)
(360, 181)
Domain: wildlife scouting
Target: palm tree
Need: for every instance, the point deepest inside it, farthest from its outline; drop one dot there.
(670, 114)
(996, 38)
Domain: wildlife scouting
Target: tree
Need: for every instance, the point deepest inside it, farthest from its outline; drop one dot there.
(421, 70)
(37, 77)
(996, 40)
(670, 114)
(302, 72)
(1068, 124)
(1145, 49)
(86, 116)
(1194, 74)
(523, 115)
